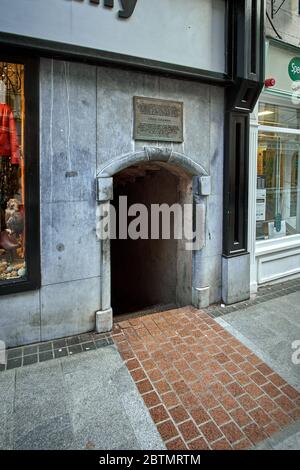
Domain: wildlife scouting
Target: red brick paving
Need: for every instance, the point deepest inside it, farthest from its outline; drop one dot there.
(203, 388)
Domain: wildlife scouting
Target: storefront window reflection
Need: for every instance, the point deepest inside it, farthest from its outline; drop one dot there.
(279, 116)
(278, 176)
(12, 179)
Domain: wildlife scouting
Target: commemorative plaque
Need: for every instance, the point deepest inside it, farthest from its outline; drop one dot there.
(159, 120)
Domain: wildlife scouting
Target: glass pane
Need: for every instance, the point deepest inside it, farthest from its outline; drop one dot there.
(278, 116)
(278, 186)
(12, 207)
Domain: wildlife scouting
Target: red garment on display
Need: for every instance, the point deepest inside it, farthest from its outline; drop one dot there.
(9, 143)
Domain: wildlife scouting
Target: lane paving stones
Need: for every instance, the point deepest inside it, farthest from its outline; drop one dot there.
(203, 387)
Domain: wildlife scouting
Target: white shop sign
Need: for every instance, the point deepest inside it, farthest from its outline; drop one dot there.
(261, 198)
(189, 33)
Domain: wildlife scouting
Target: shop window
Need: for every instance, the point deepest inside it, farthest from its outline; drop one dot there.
(279, 116)
(278, 176)
(19, 259)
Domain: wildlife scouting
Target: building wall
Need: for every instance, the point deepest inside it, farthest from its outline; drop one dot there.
(286, 21)
(85, 120)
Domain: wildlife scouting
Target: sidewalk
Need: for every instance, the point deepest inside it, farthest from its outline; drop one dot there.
(214, 379)
(87, 401)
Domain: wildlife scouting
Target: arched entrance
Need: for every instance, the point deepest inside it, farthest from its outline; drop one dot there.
(151, 175)
(151, 271)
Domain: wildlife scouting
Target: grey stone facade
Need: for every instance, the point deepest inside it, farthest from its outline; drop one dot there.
(86, 121)
(286, 21)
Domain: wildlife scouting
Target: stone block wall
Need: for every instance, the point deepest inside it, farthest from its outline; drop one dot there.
(86, 119)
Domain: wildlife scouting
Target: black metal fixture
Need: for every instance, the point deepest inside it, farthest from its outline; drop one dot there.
(272, 25)
(275, 8)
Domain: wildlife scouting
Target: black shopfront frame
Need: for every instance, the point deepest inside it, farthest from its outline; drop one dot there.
(32, 280)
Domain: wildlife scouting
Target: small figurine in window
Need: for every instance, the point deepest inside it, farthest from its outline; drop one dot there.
(14, 218)
(11, 238)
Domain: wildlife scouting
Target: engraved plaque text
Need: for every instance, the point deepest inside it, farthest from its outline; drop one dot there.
(159, 120)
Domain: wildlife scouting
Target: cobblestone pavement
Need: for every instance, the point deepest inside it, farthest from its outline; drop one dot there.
(203, 387)
(270, 330)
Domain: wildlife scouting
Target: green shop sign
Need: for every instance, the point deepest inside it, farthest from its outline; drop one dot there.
(294, 69)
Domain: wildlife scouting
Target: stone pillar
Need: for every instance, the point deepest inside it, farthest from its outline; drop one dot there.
(235, 278)
(104, 317)
(200, 289)
(241, 99)
(236, 259)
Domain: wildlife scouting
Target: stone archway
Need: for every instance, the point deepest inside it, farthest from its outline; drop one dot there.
(105, 179)
(149, 154)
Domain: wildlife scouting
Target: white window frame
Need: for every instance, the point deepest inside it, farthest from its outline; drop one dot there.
(267, 246)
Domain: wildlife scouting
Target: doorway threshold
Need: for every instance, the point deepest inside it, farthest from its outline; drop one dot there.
(144, 311)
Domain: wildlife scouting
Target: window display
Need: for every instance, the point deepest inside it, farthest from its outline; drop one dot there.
(278, 176)
(12, 177)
